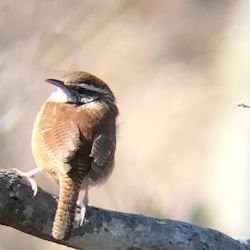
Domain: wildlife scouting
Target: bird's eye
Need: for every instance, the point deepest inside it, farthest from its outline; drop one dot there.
(83, 91)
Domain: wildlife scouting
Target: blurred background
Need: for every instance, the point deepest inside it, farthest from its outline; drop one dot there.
(178, 69)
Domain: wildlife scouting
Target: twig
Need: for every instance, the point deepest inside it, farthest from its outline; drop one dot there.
(103, 229)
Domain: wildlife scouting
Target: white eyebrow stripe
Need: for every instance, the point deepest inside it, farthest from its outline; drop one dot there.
(93, 88)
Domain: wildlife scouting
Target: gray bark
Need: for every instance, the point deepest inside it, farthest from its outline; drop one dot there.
(102, 229)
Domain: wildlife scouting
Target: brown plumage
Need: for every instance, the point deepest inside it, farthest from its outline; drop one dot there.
(74, 140)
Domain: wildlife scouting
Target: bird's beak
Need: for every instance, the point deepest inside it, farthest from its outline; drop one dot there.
(59, 84)
(63, 92)
(55, 82)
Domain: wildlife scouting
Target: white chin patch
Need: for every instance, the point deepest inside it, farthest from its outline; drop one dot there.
(58, 96)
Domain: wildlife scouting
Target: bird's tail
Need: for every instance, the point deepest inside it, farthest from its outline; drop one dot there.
(70, 184)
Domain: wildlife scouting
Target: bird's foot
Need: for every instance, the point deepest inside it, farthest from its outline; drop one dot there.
(81, 209)
(29, 176)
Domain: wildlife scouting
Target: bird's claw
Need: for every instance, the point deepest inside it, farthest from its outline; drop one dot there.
(29, 176)
(81, 208)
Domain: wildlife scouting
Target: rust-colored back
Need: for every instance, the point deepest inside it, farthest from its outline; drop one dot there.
(62, 143)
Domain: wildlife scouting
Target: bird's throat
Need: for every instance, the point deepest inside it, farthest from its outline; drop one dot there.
(59, 96)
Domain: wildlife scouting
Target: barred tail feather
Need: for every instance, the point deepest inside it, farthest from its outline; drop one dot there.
(69, 190)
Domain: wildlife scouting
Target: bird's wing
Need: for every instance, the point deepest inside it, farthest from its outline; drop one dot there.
(103, 150)
(61, 143)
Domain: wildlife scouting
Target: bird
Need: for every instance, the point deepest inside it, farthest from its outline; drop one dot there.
(74, 142)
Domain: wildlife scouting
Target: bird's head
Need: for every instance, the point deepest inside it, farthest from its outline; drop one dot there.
(80, 88)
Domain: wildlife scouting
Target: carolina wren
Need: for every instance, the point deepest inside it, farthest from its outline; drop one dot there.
(74, 140)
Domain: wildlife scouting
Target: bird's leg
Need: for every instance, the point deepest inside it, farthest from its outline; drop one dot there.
(30, 178)
(81, 208)
(85, 202)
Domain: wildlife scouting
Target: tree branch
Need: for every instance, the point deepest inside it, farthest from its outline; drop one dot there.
(103, 229)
